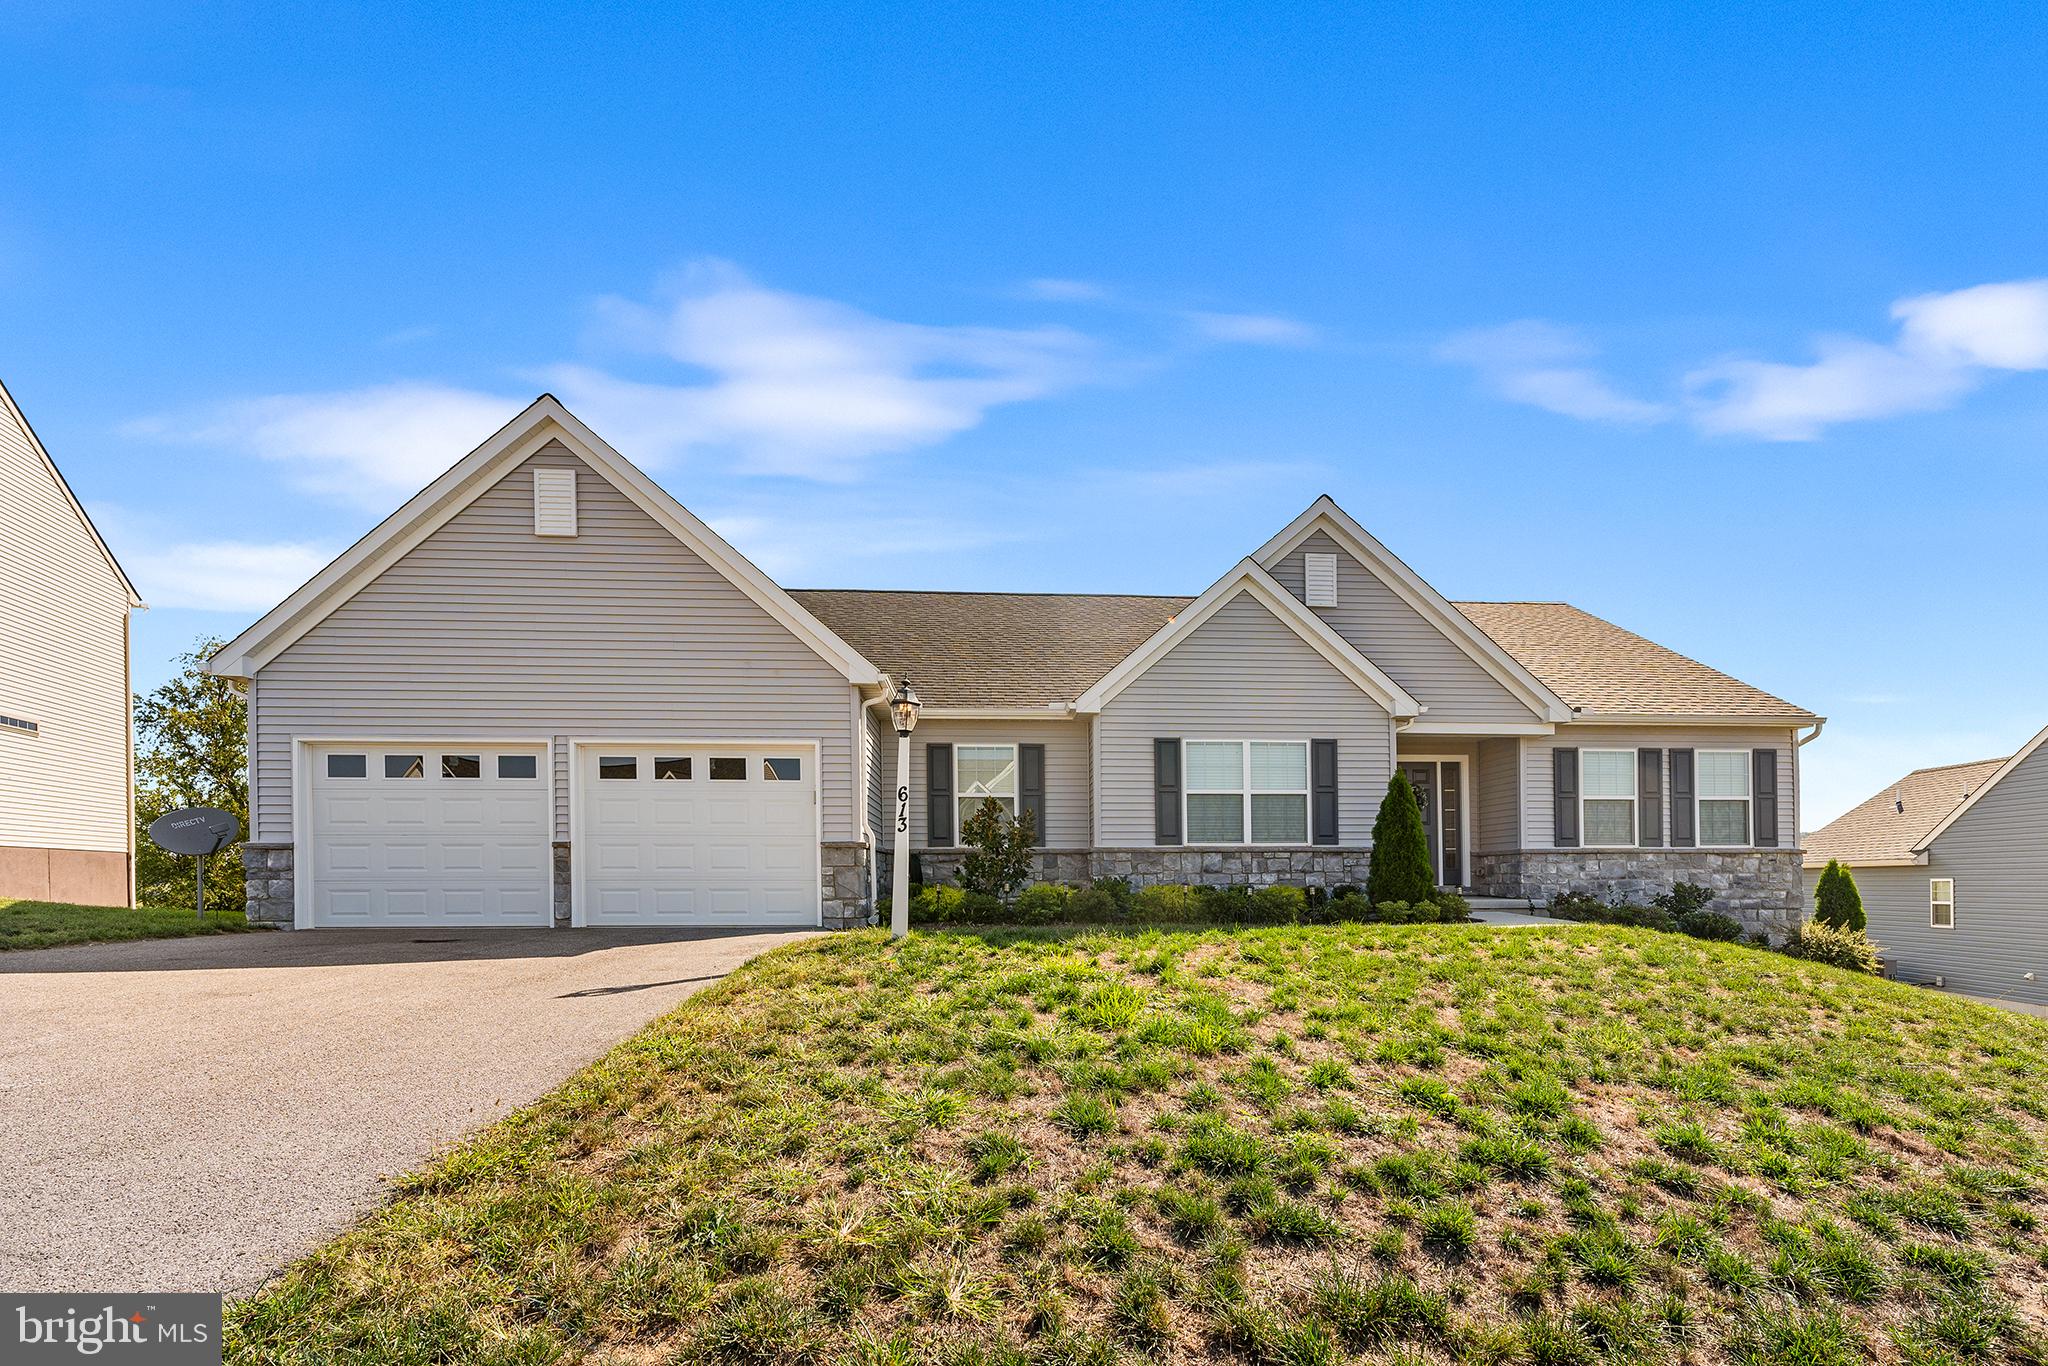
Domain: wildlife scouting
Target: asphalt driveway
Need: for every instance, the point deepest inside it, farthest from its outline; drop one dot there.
(192, 1114)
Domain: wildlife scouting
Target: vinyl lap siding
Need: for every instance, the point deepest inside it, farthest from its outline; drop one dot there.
(877, 741)
(486, 630)
(1242, 674)
(1403, 643)
(1067, 810)
(1537, 802)
(1998, 856)
(63, 665)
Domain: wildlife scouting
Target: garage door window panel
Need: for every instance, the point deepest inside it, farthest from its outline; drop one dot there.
(518, 766)
(614, 768)
(462, 765)
(728, 770)
(782, 770)
(348, 765)
(405, 766)
(675, 770)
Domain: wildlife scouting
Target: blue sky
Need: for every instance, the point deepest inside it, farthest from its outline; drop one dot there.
(1726, 325)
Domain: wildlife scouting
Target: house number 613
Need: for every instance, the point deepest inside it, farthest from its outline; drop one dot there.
(903, 809)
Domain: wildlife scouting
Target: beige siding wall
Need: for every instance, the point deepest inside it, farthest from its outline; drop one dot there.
(1498, 828)
(1067, 811)
(1414, 653)
(1242, 674)
(880, 742)
(1997, 855)
(1538, 805)
(486, 630)
(63, 665)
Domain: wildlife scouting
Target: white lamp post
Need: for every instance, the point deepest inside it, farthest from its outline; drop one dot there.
(903, 706)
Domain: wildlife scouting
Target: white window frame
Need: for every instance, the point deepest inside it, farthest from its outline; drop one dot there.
(1933, 901)
(1244, 792)
(1634, 799)
(960, 794)
(1699, 828)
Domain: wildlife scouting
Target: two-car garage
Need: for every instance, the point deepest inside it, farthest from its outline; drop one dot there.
(417, 833)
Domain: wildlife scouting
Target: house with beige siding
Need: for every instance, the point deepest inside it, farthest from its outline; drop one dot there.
(1952, 863)
(66, 766)
(543, 692)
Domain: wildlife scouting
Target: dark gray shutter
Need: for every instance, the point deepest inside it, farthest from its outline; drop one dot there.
(1649, 797)
(1564, 798)
(1166, 792)
(1764, 764)
(1322, 779)
(938, 796)
(1031, 787)
(1681, 799)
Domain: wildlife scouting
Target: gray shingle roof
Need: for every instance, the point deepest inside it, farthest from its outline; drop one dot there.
(1035, 649)
(1597, 666)
(991, 649)
(1878, 832)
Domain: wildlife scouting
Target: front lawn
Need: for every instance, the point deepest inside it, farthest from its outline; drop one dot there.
(1287, 1146)
(46, 924)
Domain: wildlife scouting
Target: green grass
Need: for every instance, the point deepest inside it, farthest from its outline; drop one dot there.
(1286, 1145)
(46, 924)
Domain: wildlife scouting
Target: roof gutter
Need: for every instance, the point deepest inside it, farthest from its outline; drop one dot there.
(1805, 740)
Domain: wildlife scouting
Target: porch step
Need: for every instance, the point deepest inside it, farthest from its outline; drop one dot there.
(1500, 903)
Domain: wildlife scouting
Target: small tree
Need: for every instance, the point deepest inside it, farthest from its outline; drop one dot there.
(998, 859)
(1836, 900)
(191, 749)
(1400, 848)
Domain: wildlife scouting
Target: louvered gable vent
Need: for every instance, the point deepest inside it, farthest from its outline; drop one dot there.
(554, 502)
(1319, 574)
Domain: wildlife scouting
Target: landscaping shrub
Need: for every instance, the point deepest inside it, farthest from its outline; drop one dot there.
(1164, 904)
(1821, 943)
(1683, 899)
(943, 904)
(999, 850)
(1710, 925)
(1278, 905)
(1836, 901)
(1400, 848)
(1096, 904)
(1043, 903)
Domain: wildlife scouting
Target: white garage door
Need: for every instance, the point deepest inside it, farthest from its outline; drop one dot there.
(428, 834)
(692, 834)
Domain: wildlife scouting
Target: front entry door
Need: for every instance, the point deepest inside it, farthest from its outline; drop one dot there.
(1439, 791)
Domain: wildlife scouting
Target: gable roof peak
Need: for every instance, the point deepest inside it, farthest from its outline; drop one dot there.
(540, 422)
(10, 409)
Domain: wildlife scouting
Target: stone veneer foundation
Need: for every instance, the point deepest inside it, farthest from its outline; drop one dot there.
(268, 883)
(1147, 865)
(1759, 887)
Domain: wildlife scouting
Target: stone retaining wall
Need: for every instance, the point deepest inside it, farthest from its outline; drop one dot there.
(1146, 866)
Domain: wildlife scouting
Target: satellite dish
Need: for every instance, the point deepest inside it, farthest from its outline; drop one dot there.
(195, 830)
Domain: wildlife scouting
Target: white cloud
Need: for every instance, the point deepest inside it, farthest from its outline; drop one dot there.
(361, 445)
(1540, 364)
(1946, 346)
(224, 576)
(1852, 380)
(806, 386)
(2002, 326)
(1251, 329)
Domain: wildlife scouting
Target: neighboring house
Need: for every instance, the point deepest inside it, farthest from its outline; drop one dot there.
(544, 692)
(1953, 866)
(66, 764)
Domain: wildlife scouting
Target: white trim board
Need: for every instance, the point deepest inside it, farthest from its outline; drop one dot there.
(1324, 515)
(1927, 842)
(543, 421)
(1251, 577)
